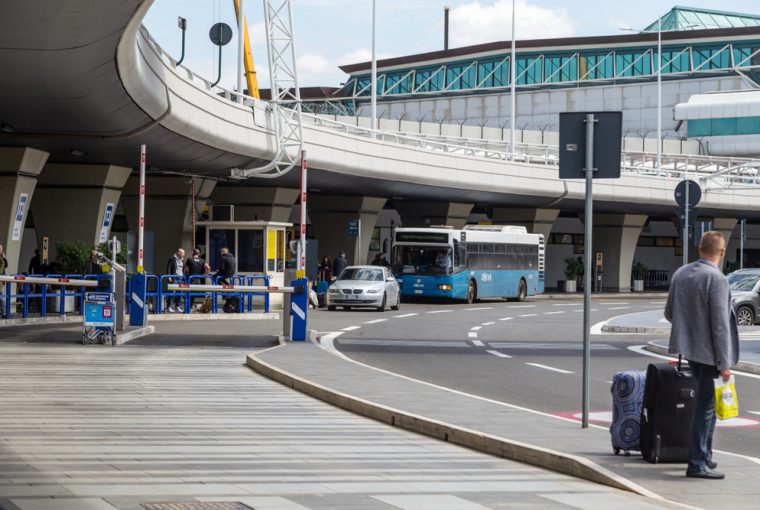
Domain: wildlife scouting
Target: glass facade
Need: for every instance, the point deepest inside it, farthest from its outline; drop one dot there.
(723, 127)
(562, 68)
(686, 18)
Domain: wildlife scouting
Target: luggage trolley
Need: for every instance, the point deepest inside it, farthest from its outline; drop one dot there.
(98, 324)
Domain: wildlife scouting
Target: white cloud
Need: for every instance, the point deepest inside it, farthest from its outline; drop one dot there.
(480, 22)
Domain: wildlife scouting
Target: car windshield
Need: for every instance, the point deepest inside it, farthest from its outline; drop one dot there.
(422, 260)
(362, 274)
(743, 282)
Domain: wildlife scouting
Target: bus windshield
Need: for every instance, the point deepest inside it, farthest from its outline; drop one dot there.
(430, 260)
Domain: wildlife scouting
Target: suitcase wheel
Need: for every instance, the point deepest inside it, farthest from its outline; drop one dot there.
(616, 450)
(627, 453)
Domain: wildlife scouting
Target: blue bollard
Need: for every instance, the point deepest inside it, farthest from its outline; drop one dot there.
(138, 303)
(299, 306)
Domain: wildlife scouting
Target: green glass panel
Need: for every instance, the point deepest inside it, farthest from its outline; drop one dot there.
(699, 127)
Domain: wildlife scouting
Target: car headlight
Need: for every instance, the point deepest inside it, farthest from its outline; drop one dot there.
(374, 291)
(333, 291)
(444, 286)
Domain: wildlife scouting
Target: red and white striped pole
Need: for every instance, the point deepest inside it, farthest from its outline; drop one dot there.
(141, 229)
(301, 265)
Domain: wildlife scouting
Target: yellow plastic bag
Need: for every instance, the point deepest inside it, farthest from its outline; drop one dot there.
(726, 400)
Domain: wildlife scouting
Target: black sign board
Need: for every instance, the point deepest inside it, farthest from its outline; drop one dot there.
(608, 131)
(695, 193)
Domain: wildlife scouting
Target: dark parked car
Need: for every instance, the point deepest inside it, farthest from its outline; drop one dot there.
(745, 291)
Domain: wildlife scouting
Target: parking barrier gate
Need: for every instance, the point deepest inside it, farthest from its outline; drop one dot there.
(299, 303)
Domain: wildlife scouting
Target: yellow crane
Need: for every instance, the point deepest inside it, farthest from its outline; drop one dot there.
(250, 70)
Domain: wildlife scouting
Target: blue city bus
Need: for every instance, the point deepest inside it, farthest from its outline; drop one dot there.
(479, 261)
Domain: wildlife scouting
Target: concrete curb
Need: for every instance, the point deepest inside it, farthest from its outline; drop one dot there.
(742, 366)
(635, 329)
(501, 447)
(611, 295)
(37, 321)
(126, 336)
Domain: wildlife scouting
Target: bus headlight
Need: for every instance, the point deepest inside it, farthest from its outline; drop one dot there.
(444, 286)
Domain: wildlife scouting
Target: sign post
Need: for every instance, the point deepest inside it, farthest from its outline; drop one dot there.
(742, 236)
(45, 250)
(595, 155)
(687, 195)
(355, 230)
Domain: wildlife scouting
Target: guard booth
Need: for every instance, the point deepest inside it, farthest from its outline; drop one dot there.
(258, 247)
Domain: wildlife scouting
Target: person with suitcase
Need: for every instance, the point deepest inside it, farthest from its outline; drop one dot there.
(704, 332)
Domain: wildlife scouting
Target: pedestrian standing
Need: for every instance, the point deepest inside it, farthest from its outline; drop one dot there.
(93, 265)
(339, 264)
(34, 264)
(703, 331)
(176, 267)
(196, 265)
(325, 269)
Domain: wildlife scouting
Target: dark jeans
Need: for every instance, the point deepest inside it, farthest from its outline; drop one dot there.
(703, 425)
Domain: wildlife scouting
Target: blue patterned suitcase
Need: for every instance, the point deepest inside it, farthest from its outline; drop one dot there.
(627, 399)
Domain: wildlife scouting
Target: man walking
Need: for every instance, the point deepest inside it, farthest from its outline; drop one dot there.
(704, 331)
(176, 266)
(339, 264)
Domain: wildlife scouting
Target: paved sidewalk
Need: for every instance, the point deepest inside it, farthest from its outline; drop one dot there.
(178, 417)
(499, 428)
(749, 350)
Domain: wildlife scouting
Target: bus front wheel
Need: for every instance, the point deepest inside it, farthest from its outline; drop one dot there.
(471, 292)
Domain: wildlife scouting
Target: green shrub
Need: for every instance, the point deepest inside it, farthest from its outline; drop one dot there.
(71, 257)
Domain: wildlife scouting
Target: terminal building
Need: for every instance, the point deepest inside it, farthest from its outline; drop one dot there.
(68, 153)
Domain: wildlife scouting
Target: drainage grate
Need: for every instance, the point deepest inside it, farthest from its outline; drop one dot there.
(197, 505)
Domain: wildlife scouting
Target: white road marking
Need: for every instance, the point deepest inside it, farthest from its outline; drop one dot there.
(614, 303)
(640, 349)
(487, 324)
(619, 308)
(506, 319)
(528, 315)
(754, 412)
(478, 343)
(440, 311)
(405, 315)
(609, 382)
(523, 306)
(472, 334)
(375, 321)
(568, 304)
(554, 313)
(350, 328)
(592, 310)
(476, 328)
(538, 365)
(657, 302)
(408, 343)
(499, 354)
(479, 308)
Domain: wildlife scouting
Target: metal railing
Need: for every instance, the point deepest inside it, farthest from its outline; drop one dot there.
(22, 298)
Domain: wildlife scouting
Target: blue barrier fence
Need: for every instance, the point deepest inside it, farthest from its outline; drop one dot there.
(20, 298)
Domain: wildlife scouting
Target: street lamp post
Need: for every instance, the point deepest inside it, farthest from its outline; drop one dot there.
(512, 89)
(373, 87)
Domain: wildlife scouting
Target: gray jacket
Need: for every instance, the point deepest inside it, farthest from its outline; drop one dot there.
(704, 324)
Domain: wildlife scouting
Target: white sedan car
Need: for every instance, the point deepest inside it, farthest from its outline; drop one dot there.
(360, 286)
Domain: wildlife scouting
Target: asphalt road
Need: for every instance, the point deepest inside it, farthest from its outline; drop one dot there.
(527, 354)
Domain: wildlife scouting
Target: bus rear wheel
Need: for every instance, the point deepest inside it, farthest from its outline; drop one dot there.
(523, 292)
(471, 293)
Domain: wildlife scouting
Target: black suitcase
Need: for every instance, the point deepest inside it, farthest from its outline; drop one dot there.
(231, 305)
(666, 413)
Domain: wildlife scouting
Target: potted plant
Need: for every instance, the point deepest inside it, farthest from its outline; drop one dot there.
(639, 272)
(573, 271)
(70, 258)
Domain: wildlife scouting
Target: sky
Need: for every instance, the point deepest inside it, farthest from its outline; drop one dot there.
(330, 33)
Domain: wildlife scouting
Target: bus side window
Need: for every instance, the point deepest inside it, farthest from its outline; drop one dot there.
(460, 254)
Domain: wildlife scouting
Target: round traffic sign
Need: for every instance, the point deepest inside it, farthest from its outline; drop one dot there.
(695, 193)
(220, 34)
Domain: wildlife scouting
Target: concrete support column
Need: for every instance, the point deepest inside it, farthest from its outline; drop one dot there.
(425, 214)
(73, 201)
(168, 213)
(616, 237)
(19, 168)
(537, 221)
(726, 227)
(329, 217)
(255, 203)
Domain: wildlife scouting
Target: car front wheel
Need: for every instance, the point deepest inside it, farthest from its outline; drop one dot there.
(745, 316)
